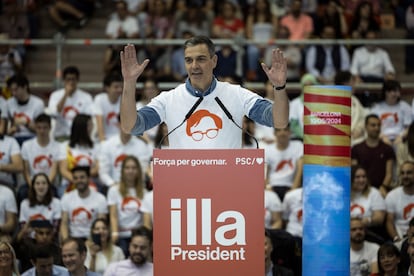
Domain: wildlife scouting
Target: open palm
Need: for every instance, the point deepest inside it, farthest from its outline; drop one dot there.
(131, 69)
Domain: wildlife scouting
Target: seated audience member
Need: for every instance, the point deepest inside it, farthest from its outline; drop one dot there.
(9, 264)
(292, 206)
(399, 203)
(11, 161)
(124, 201)
(140, 252)
(273, 210)
(101, 250)
(178, 70)
(150, 90)
(68, 13)
(363, 19)
(65, 103)
(106, 107)
(81, 206)
(40, 154)
(3, 116)
(363, 259)
(193, 20)
(367, 202)
(73, 256)
(8, 212)
(43, 236)
(112, 61)
(409, 48)
(23, 108)
(39, 206)
(410, 252)
(394, 112)
(43, 263)
(10, 60)
(282, 158)
(121, 24)
(405, 150)
(403, 246)
(80, 151)
(324, 61)
(331, 14)
(371, 63)
(271, 268)
(300, 24)
(377, 157)
(357, 110)
(389, 261)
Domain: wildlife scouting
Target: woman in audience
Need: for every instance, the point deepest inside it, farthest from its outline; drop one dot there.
(81, 151)
(39, 206)
(124, 201)
(388, 261)
(101, 250)
(405, 150)
(8, 262)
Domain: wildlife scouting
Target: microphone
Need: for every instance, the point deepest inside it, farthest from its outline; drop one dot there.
(189, 113)
(228, 114)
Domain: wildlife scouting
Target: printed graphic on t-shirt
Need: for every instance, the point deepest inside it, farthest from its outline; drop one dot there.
(202, 124)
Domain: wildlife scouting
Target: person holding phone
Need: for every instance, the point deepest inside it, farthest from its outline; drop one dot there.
(101, 250)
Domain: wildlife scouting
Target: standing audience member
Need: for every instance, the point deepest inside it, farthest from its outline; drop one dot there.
(73, 255)
(399, 203)
(39, 206)
(11, 161)
(81, 207)
(106, 107)
(375, 156)
(363, 259)
(8, 213)
(125, 200)
(370, 63)
(140, 250)
(101, 250)
(395, 113)
(8, 264)
(22, 108)
(389, 261)
(66, 103)
(43, 263)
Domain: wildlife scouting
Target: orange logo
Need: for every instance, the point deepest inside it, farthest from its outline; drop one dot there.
(69, 112)
(407, 211)
(112, 118)
(42, 162)
(393, 116)
(80, 158)
(203, 123)
(37, 217)
(130, 204)
(284, 163)
(299, 215)
(357, 210)
(81, 215)
(119, 160)
(20, 115)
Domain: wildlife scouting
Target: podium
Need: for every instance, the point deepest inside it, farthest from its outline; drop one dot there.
(208, 212)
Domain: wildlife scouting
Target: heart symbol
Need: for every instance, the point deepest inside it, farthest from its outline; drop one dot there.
(259, 160)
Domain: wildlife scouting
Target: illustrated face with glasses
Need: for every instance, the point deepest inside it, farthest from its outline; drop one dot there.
(203, 124)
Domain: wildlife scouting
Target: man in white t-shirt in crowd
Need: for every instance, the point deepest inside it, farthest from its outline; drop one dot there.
(140, 250)
(66, 103)
(8, 212)
(122, 24)
(292, 215)
(399, 203)
(106, 107)
(114, 150)
(363, 258)
(22, 108)
(40, 154)
(81, 206)
(282, 159)
(10, 160)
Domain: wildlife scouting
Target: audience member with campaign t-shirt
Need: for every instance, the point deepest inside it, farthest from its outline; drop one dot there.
(125, 200)
(8, 212)
(40, 205)
(293, 212)
(10, 160)
(106, 107)
(273, 210)
(66, 103)
(81, 207)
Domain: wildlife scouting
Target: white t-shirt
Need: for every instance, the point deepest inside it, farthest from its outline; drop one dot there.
(113, 152)
(394, 118)
(208, 126)
(50, 212)
(29, 111)
(82, 211)
(3, 108)
(40, 159)
(148, 203)
(361, 261)
(109, 112)
(79, 102)
(402, 206)
(128, 210)
(292, 212)
(129, 26)
(366, 63)
(282, 164)
(7, 203)
(8, 148)
(363, 206)
(272, 204)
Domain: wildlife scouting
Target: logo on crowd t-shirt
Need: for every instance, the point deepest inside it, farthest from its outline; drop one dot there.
(83, 160)
(390, 117)
(119, 160)
(299, 215)
(42, 163)
(81, 215)
(19, 115)
(69, 112)
(37, 217)
(202, 124)
(284, 163)
(408, 211)
(357, 210)
(130, 204)
(112, 118)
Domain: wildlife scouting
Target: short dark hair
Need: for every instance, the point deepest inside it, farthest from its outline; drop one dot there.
(41, 251)
(386, 249)
(85, 169)
(389, 85)
(201, 39)
(370, 116)
(142, 232)
(43, 118)
(19, 79)
(71, 70)
(112, 77)
(342, 77)
(79, 242)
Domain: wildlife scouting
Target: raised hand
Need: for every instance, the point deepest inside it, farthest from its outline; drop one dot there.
(278, 70)
(131, 69)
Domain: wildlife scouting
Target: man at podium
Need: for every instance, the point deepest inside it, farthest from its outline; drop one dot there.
(203, 113)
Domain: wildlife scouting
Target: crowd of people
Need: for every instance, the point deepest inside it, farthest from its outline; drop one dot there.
(76, 188)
